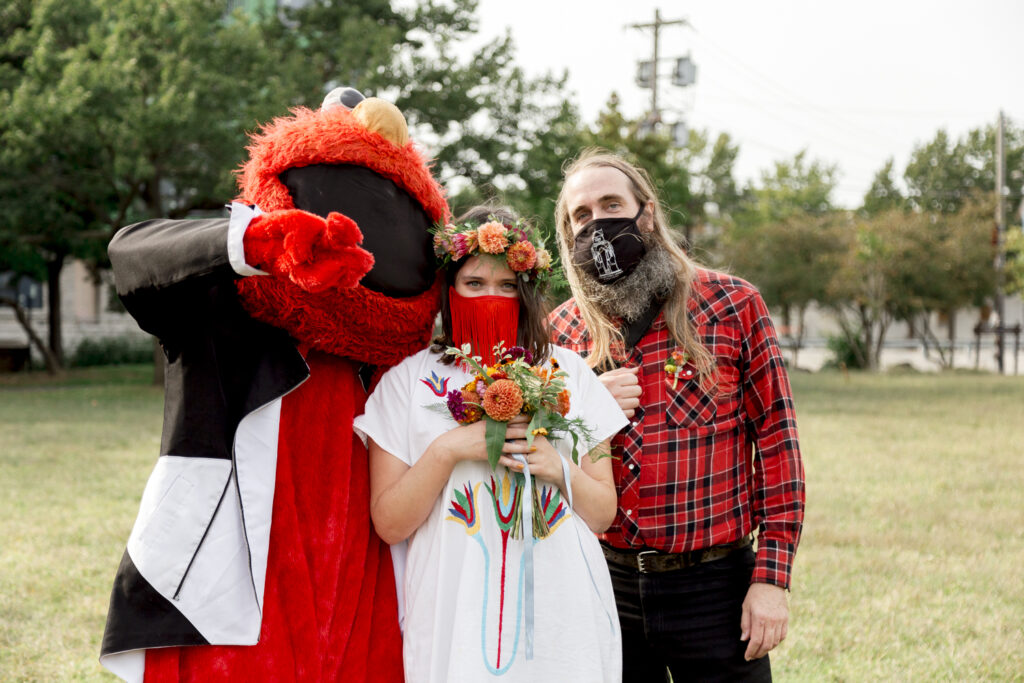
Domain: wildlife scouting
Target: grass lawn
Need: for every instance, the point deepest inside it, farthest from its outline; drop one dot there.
(911, 565)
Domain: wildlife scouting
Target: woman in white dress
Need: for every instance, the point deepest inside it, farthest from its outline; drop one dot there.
(482, 597)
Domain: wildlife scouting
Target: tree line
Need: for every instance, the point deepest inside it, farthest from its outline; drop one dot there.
(113, 111)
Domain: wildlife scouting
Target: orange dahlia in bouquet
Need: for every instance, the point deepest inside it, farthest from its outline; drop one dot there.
(514, 386)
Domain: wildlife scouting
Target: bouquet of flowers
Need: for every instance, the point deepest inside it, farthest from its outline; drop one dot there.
(511, 387)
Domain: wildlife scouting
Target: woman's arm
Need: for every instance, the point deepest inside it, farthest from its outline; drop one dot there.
(401, 496)
(593, 487)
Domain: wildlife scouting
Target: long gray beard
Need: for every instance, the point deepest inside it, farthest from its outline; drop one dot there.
(653, 278)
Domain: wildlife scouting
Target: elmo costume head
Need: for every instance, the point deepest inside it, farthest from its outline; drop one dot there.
(353, 157)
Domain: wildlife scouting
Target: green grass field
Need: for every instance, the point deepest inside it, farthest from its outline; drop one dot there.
(911, 565)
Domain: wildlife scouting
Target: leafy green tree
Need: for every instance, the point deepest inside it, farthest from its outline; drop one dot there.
(785, 238)
(883, 194)
(938, 176)
(908, 266)
(792, 186)
(943, 175)
(792, 263)
(125, 109)
(712, 172)
(951, 269)
(495, 133)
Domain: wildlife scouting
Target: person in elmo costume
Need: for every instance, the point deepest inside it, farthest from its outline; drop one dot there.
(253, 556)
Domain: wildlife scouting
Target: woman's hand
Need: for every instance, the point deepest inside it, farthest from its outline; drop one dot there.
(465, 442)
(545, 462)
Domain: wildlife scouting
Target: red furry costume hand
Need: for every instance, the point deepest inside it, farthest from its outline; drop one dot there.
(313, 253)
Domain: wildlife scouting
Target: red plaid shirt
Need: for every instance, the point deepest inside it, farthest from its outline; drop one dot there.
(698, 470)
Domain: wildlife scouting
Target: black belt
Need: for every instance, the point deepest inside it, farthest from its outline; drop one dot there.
(645, 561)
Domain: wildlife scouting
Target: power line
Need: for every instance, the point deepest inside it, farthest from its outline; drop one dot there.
(760, 79)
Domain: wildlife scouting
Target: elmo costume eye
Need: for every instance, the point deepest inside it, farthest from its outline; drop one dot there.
(342, 97)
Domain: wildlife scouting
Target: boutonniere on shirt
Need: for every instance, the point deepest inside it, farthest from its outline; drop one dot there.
(676, 365)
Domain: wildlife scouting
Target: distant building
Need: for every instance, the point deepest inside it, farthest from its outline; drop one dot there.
(89, 308)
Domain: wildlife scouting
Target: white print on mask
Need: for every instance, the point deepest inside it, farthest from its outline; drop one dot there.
(603, 253)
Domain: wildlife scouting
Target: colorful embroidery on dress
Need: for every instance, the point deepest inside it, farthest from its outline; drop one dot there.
(506, 493)
(463, 509)
(437, 384)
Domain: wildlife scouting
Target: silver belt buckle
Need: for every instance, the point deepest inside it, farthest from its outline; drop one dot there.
(640, 560)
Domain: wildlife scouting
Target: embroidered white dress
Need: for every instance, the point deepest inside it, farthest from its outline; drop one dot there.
(461, 575)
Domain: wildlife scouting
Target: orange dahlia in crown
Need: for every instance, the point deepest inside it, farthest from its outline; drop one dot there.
(517, 244)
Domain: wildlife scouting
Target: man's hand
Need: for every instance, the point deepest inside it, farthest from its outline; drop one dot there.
(625, 388)
(765, 619)
(313, 253)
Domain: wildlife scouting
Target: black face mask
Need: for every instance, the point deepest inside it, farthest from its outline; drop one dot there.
(608, 249)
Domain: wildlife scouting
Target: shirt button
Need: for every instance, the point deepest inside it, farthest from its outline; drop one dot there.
(632, 467)
(629, 512)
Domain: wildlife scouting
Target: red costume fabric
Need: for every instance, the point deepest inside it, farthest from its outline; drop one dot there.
(325, 616)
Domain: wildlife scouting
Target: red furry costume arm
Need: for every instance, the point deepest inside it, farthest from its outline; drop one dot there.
(313, 253)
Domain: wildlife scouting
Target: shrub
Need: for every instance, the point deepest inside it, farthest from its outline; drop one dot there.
(845, 352)
(112, 351)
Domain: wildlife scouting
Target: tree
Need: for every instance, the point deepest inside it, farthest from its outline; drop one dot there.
(1015, 260)
(790, 187)
(125, 110)
(883, 195)
(946, 265)
(792, 263)
(713, 183)
(942, 175)
(785, 238)
(908, 266)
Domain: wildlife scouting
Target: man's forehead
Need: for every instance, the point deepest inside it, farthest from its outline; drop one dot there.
(597, 183)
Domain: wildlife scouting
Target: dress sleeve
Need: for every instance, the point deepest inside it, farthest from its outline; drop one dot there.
(386, 416)
(591, 401)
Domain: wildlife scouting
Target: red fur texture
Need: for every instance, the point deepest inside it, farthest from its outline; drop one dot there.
(331, 137)
(354, 323)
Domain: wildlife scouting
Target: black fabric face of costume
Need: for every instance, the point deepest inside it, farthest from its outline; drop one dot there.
(393, 224)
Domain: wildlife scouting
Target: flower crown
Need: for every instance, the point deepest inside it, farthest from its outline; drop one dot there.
(517, 244)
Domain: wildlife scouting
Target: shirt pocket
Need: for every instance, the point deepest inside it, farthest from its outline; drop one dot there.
(689, 405)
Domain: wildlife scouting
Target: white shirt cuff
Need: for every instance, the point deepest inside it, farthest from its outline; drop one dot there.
(241, 216)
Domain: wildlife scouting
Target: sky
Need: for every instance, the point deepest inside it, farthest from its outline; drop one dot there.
(853, 83)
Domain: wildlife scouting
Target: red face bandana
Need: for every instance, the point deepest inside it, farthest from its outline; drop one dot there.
(484, 321)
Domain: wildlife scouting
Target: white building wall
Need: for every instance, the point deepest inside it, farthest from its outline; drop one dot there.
(84, 313)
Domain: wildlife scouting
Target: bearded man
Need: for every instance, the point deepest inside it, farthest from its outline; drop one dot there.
(711, 454)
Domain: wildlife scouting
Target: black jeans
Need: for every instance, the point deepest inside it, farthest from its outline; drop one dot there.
(686, 621)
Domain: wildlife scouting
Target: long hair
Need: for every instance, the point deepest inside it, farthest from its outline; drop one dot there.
(532, 332)
(603, 331)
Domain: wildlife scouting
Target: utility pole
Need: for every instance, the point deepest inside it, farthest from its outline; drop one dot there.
(655, 116)
(1000, 244)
